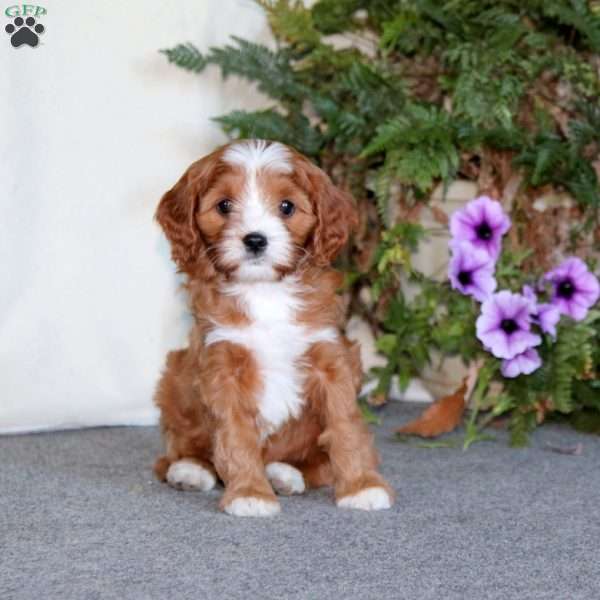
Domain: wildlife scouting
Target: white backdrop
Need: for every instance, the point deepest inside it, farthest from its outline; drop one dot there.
(96, 125)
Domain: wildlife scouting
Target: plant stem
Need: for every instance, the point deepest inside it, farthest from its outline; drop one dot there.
(483, 380)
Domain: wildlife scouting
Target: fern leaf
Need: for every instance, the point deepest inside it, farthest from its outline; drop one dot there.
(186, 56)
(270, 70)
(383, 182)
(272, 125)
(291, 21)
(521, 424)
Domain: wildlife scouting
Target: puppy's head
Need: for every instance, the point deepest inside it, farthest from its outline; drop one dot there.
(254, 210)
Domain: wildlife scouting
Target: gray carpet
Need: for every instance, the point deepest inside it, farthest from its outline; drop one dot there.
(82, 517)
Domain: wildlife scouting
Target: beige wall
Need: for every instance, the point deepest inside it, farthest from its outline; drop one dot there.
(96, 125)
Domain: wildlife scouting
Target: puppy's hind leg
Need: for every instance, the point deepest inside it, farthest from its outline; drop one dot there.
(190, 474)
(186, 465)
(185, 472)
(285, 479)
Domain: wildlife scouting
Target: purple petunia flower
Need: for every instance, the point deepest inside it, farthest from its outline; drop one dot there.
(545, 315)
(504, 325)
(575, 289)
(523, 364)
(482, 222)
(471, 271)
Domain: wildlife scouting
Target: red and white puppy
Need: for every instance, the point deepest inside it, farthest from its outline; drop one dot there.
(264, 397)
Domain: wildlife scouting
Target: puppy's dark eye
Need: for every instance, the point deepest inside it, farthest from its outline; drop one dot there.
(287, 208)
(225, 206)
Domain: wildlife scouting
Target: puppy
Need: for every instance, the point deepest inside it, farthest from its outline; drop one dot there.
(264, 396)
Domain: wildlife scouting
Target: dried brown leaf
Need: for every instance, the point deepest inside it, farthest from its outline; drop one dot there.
(441, 417)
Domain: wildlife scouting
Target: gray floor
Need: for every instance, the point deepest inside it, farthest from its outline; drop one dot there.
(82, 517)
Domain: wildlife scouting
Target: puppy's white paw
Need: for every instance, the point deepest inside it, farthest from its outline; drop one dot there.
(189, 475)
(373, 498)
(285, 479)
(252, 507)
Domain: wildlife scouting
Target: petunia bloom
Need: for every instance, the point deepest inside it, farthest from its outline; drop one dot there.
(482, 222)
(545, 315)
(471, 271)
(574, 288)
(504, 325)
(523, 364)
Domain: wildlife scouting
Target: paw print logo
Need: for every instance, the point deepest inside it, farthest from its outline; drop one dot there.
(24, 32)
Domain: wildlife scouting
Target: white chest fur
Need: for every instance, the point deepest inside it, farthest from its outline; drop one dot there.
(277, 343)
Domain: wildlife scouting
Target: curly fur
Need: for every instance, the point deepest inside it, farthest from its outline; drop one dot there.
(268, 376)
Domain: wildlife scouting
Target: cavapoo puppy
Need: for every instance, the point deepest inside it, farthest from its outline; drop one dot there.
(264, 397)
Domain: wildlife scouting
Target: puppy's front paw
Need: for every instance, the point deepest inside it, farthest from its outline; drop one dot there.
(285, 479)
(249, 506)
(189, 475)
(372, 498)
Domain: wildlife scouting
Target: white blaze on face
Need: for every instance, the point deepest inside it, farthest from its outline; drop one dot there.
(254, 214)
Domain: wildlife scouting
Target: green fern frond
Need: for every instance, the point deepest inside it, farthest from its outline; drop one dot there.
(186, 56)
(291, 21)
(254, 62)
(571, 357)
(578, 15)
(339, 125)
(388, 135)
(423, 144)
(520, 426)
(383, 182)
(271, 125)
(375, 94)
(334, 16)
(550, 159)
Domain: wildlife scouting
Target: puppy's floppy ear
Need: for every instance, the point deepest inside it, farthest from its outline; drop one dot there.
(336, 214)
(337, 217)
(176, 213)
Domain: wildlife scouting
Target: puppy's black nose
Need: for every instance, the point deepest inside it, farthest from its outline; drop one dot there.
(255, 242)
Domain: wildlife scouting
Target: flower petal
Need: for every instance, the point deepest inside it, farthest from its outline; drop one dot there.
(497, 342)
(577, 310)
(522, 364)
(519, 341)
(548, 317)
(588, 285)
(484, 285)
(529, 293)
